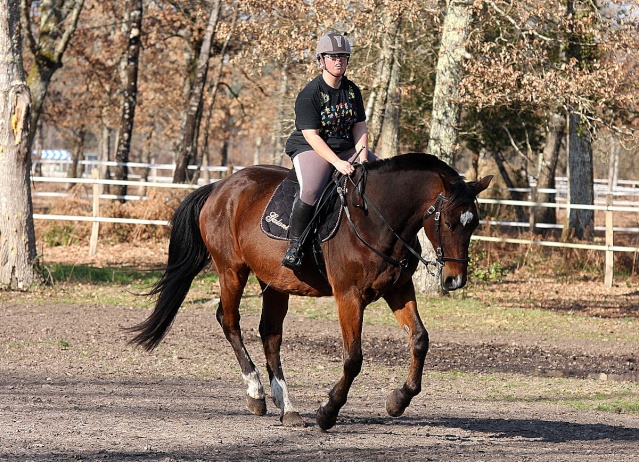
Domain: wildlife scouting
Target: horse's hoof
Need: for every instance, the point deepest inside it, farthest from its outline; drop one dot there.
(292, 419)
(325, 420)
(256, 405)
(397, 402)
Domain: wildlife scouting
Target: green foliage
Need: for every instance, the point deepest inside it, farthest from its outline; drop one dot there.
(58, 235)
(496, 128)
(479, 270)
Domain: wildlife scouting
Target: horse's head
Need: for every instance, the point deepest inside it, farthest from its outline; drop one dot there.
(449, 224)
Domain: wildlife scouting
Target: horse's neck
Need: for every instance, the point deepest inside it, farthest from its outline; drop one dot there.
(402, 197)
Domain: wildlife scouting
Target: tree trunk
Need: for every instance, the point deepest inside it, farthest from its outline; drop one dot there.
(123, 150)
(580, 222)
(75, 170)
(17, 234)
(203, 156)
(613, 162)
(58, 22)
(390, 127)
(379, 96)
(278, 136)
(499, 160)
(224, 154)
(146, 159)
(104, 157)
(446, 113)
(546, 171)
(194, 110)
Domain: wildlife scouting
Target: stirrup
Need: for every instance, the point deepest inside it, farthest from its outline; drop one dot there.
(293, 257)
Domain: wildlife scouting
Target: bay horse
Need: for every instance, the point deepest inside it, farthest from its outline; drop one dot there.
(373, 255)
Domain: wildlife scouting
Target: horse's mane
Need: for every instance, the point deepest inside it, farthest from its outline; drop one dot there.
(461, 192)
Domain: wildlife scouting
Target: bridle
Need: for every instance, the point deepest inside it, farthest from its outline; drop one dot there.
(434, 210)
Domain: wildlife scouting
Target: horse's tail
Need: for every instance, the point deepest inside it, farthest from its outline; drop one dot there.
(187, 257)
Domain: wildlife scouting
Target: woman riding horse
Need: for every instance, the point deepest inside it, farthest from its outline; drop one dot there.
(330, 132)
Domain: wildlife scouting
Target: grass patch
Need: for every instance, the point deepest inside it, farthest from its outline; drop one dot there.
(115, 286)
(84, 274)
(580, 394)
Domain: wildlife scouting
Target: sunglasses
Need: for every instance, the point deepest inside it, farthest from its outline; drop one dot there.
(337, 57)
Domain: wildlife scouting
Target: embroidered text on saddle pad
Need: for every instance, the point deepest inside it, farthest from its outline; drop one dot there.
(275, 220)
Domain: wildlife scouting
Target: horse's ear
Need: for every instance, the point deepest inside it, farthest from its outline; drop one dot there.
(479, 186)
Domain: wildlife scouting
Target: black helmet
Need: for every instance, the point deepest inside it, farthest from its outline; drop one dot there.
(333, 44)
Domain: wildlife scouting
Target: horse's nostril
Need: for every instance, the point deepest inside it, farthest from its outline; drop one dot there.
(454, 283)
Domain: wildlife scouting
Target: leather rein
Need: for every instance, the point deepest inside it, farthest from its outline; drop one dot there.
(434, 210)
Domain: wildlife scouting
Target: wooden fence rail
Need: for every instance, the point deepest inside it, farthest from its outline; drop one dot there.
(609, 208)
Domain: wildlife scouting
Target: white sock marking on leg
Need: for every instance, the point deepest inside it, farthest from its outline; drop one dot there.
(254, 386)
(281, 396)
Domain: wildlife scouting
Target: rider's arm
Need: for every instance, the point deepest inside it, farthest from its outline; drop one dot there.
(360, 135)
(314, 139)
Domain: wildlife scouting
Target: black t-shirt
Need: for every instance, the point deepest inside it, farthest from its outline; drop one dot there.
(331, 111)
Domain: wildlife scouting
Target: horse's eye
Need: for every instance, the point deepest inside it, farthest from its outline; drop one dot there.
(448, 225)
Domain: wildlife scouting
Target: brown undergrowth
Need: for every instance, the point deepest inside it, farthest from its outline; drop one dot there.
(158, 205)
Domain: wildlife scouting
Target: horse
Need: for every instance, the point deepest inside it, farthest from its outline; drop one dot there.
(373, 255)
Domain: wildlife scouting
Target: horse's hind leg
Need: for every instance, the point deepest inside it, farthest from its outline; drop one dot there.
(228, 315)
(274, 309)
(402, 302)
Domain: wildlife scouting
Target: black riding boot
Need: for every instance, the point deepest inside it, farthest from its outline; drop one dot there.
(300, 217)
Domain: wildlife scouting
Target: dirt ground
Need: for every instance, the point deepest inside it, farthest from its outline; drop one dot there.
(71, 388)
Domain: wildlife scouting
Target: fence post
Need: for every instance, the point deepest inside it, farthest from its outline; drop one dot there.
(93, 243)
(610, 241)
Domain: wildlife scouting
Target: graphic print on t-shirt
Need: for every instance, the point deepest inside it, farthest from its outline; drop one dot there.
(338, 118)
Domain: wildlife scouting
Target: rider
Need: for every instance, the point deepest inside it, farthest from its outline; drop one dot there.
(330, 132)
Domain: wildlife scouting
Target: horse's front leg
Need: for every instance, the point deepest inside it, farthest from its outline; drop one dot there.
(350, 313)
(274, 309)
(402, 302)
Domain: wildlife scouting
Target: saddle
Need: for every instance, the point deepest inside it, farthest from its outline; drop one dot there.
(276, 216)
(324, 224)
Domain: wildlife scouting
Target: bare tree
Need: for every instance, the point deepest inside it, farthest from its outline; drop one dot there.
(581, 189)
(58, 21)
(123, 150)
(377, 103)
(389, 145)
(546, 170)
(444, 129)
(194, 110)
(17, 235)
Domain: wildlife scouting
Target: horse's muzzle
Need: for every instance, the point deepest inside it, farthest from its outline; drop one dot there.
(451, 283)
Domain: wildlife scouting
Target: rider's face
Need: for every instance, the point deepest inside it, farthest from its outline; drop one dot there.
(336, 63)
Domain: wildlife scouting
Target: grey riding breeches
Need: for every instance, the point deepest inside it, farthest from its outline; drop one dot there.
(314, 172)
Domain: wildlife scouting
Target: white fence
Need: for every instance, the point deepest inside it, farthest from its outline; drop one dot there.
(608, 206)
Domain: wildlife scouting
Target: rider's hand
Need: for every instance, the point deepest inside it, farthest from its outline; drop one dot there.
(344, 167)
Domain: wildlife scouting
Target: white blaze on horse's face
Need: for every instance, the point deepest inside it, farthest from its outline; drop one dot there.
(466, 217)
